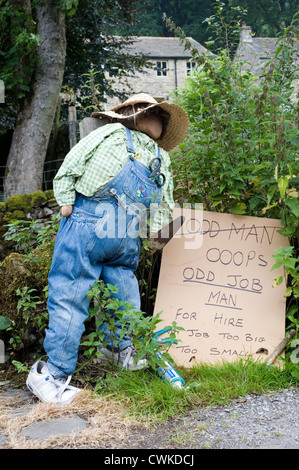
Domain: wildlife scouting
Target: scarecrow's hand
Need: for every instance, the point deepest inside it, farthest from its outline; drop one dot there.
(157, 243)
(66, 211)
(159, 239)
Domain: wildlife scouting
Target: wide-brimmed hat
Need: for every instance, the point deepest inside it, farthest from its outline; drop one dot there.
(177, 126)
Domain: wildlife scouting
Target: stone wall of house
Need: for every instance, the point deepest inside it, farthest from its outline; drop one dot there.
(40, 206)
(149, 82)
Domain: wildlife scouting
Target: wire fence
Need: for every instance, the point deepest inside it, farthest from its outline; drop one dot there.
(50, 169)
(2, 172)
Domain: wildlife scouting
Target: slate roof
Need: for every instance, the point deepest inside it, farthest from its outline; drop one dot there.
(161, 47)
(256, 52)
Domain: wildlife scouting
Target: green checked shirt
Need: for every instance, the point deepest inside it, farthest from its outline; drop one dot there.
(97, 158)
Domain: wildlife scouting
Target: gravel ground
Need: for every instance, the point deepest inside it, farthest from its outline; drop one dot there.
(250, 422)
(268, 421)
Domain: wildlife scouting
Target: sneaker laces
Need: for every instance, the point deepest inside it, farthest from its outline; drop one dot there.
(62, 385)
(127, 353)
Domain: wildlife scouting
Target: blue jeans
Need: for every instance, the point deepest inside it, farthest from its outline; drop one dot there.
(98, 241)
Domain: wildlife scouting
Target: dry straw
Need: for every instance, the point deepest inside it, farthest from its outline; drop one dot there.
(107, 423)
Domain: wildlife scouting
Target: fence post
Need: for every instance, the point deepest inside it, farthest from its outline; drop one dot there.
(2, 352)
(55, 130)
(2, 92)
(72, 126)
(88, 125)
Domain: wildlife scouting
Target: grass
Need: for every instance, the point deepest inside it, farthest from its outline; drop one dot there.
(146, 397)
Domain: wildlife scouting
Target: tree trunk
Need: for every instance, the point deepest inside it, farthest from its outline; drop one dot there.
(24, 172)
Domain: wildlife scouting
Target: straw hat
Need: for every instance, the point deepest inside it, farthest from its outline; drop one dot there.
(177, 126)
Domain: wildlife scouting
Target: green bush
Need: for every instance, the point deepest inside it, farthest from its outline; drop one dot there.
(24, 286)
(241, 153)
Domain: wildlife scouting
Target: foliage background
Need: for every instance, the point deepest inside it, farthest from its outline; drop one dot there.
(90, 23)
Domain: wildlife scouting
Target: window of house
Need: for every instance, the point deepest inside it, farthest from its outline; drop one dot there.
(190, 67)
(161, 69)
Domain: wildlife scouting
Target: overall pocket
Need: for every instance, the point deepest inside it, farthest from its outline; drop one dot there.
(139, 188)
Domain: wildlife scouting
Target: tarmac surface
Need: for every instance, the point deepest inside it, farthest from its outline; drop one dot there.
(268, 421)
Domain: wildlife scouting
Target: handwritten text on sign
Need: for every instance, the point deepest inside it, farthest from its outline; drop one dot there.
(221, 292)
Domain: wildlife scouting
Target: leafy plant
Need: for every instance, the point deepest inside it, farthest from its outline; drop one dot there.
(26, 234)
(22, 233)
(19, 41)
(4, 323)
(30, 322)
(226, 26)
(21, 368)
(284, 256)
(121, 317)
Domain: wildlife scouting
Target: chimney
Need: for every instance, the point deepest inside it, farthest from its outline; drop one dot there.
(245, 34)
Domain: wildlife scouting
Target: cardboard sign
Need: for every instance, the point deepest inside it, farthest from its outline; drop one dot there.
(221, 290)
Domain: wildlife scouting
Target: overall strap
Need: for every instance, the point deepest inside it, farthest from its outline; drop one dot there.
(130, 145)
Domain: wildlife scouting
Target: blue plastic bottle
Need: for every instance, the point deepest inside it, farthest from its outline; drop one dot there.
(169, 374)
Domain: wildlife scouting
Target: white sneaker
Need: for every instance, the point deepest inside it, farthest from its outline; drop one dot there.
(47, 388)
(125, 358)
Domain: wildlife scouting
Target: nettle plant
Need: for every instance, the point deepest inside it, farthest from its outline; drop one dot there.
(241, 153)
(120, 315)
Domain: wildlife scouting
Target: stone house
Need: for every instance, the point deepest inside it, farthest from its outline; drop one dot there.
(255, 52)
(169, 64)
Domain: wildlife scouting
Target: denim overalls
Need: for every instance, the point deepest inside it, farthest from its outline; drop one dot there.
(99, 240)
